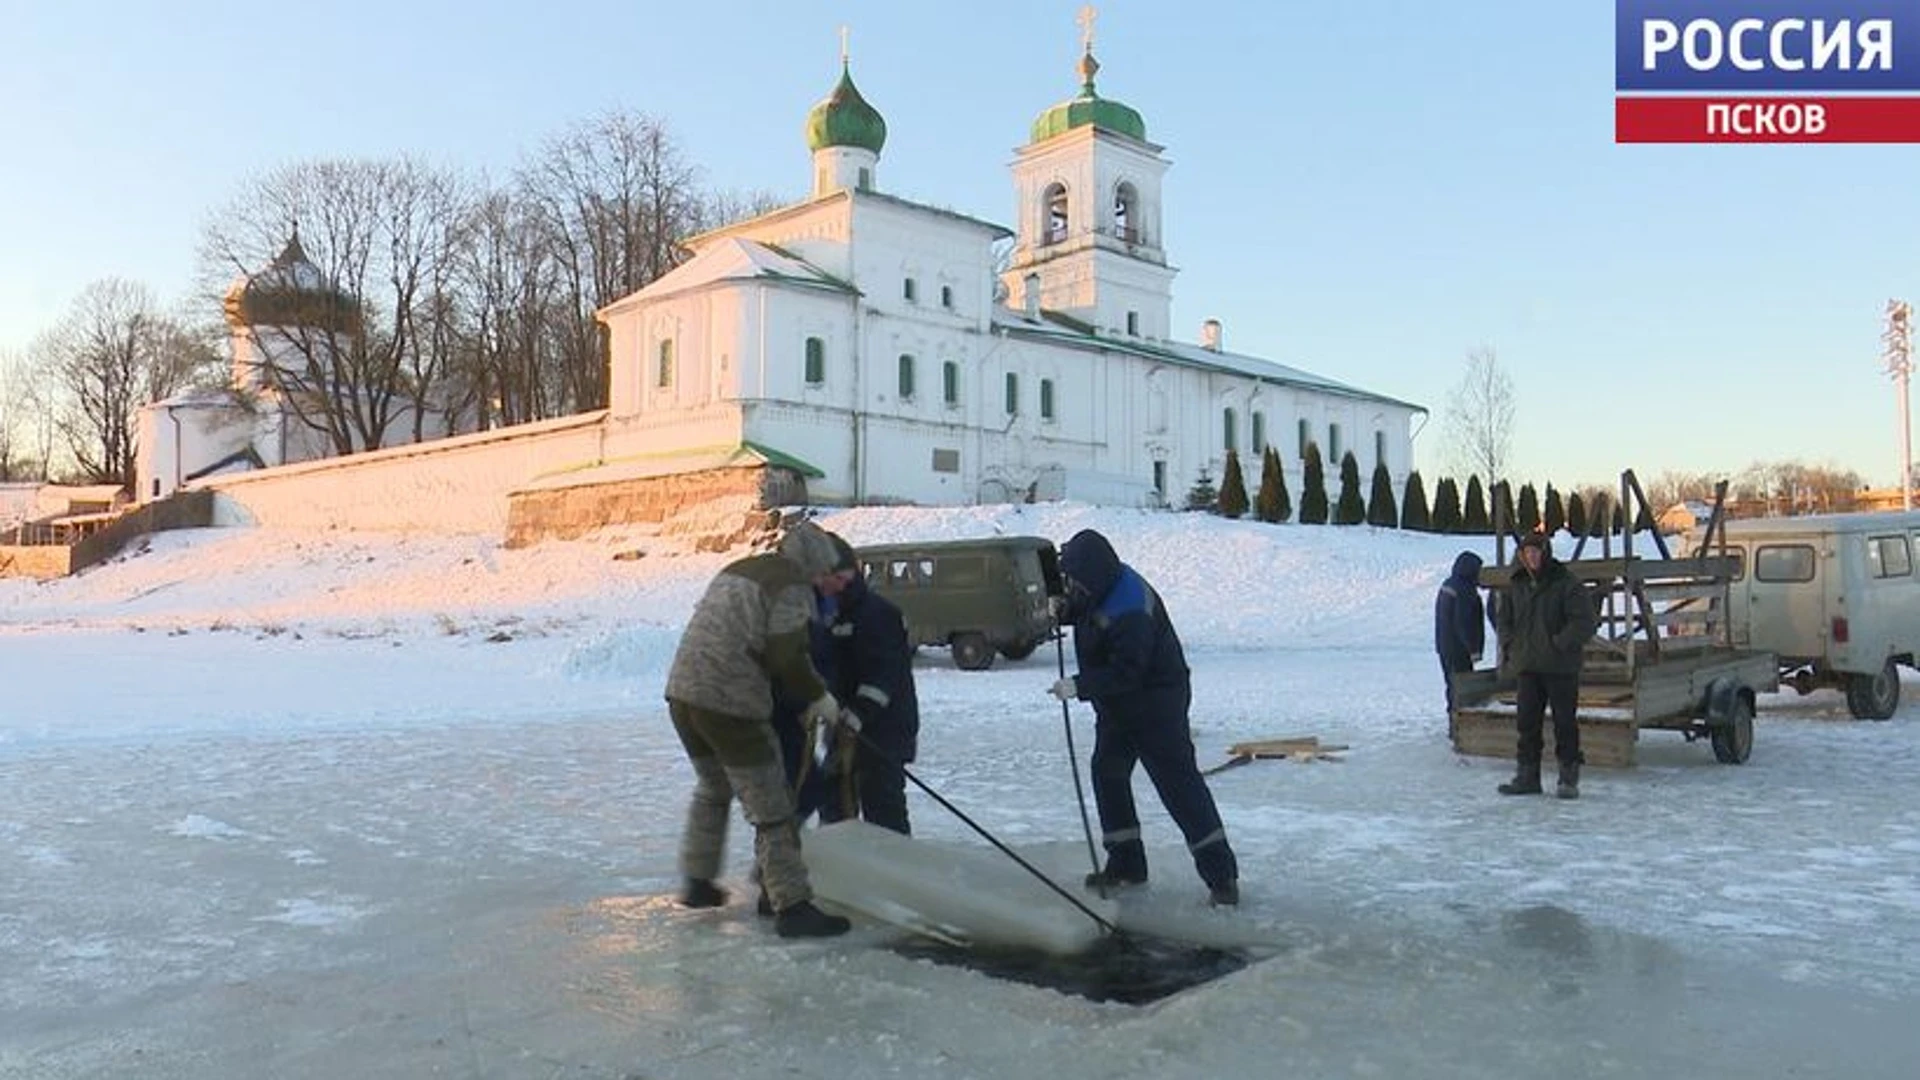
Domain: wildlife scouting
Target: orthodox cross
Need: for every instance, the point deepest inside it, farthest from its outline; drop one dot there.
(1088, 13)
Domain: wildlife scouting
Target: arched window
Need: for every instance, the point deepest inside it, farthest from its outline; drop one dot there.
(906, 376)
(663, 368)
(950, 382)
(816, 361)
(1013, 394)
(1227, 429)
(1126, 213)
(1046, 399)
(1056, 210)
(1259, 433)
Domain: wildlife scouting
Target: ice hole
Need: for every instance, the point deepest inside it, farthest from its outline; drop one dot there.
(1131, 969)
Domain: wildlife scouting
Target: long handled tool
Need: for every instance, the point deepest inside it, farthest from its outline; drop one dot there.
(1073, 757)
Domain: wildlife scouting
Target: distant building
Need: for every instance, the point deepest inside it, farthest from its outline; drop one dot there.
(869, 342)
(281, 317)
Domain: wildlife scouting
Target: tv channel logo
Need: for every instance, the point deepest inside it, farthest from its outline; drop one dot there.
(1767, 70)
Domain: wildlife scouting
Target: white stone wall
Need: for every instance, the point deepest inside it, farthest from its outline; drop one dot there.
(448, 485)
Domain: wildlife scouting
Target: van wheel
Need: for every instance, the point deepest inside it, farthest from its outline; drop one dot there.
(1019, 650)
(1733, 741)
(971, 652)
(1874, 697)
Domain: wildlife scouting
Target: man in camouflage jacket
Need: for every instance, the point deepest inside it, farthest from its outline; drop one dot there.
(749, 630)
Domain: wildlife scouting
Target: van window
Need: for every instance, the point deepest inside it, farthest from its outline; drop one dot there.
(1888, 557)
(1783, 563)
(962, 571)
(900, 573)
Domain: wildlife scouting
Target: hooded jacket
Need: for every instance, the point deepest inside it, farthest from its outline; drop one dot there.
(751, 628)
(1459, 616)
(872, 669)
(1130, 658)
(1544, 619)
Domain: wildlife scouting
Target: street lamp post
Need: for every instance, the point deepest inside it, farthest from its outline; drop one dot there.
(1898, 354)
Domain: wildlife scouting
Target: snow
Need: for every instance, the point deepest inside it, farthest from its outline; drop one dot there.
(321, 804)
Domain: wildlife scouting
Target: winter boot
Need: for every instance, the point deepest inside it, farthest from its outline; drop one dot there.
(805, 920)
(1225, 894)
(702, 893)
(1569, 785)
(764, 908)
(1525, 782)
(1110, 878)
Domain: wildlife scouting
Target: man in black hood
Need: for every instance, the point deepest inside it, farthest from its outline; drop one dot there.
(1134, 672)
(1544, 622)
(1459, 621)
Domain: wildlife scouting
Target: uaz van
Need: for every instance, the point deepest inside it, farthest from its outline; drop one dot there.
(980, 598)
(1835, 596)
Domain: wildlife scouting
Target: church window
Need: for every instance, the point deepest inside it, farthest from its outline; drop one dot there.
(816, 361)
(946, 297)
(906, 377)
(1126, 202)
(1306, 438)
(1259, 433)
(1056, 210)
(663, 366)
(1380, 448)
(1333, 443)
(1133, 324)
(1013, 394)
(946, 460)
(1160, 479)
(866, 179)
(1227, 429)
(1046, 399)
(950, 383)
(909, 290)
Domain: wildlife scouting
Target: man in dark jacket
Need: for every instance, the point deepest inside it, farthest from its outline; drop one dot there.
(871, 664)
(1134, 672)
(1459, 621)
(1544, 621)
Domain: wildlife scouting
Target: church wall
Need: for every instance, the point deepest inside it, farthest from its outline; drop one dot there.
(449, 485)
(177, 439)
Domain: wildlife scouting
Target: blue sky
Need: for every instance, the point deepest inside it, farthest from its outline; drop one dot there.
(1368, 190)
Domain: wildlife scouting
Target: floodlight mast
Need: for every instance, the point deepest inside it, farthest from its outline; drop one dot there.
(1897, 340)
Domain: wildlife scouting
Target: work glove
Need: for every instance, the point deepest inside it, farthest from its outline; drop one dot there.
(849, 720)
(824, 712)
(1057, 607)
(1065, 690)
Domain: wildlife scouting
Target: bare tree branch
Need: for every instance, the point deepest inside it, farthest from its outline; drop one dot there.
(1479, 416)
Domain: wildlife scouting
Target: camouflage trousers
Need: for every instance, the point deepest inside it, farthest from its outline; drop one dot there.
(739, 757)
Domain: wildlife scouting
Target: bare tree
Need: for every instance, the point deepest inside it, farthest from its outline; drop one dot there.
(13, 409)
(113, 353)
(617, 198)
(1672, 487)
(370, 338)
(1479, 416)
(513, 296)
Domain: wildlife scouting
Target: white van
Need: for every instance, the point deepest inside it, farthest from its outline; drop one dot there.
(1835, 596)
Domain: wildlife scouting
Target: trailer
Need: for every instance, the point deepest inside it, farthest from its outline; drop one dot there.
(1662, 657)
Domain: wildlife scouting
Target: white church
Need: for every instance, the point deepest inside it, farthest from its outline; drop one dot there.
(871, 341)
(852, 348)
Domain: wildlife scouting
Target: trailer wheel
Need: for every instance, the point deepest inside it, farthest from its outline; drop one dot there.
(971, 652)
(1733, 740)
(1874, 697)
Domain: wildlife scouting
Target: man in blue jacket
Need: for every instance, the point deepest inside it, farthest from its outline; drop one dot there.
(1459, 621)
(870, 666)
(1134, 672)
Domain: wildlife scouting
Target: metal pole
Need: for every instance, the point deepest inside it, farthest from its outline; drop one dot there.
(1073, 757)
(1898, 355)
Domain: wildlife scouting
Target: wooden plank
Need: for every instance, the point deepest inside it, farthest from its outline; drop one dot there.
(1604, 743)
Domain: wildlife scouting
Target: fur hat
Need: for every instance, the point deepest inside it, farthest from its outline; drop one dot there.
(843, 556)
(1535, 539)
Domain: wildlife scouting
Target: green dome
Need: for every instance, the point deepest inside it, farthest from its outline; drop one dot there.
(1089, 109)
(845, 119)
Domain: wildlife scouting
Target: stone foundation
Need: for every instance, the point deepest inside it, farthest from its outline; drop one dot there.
(717, 509)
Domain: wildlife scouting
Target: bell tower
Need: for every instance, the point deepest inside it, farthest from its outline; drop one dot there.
(1089, 237)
